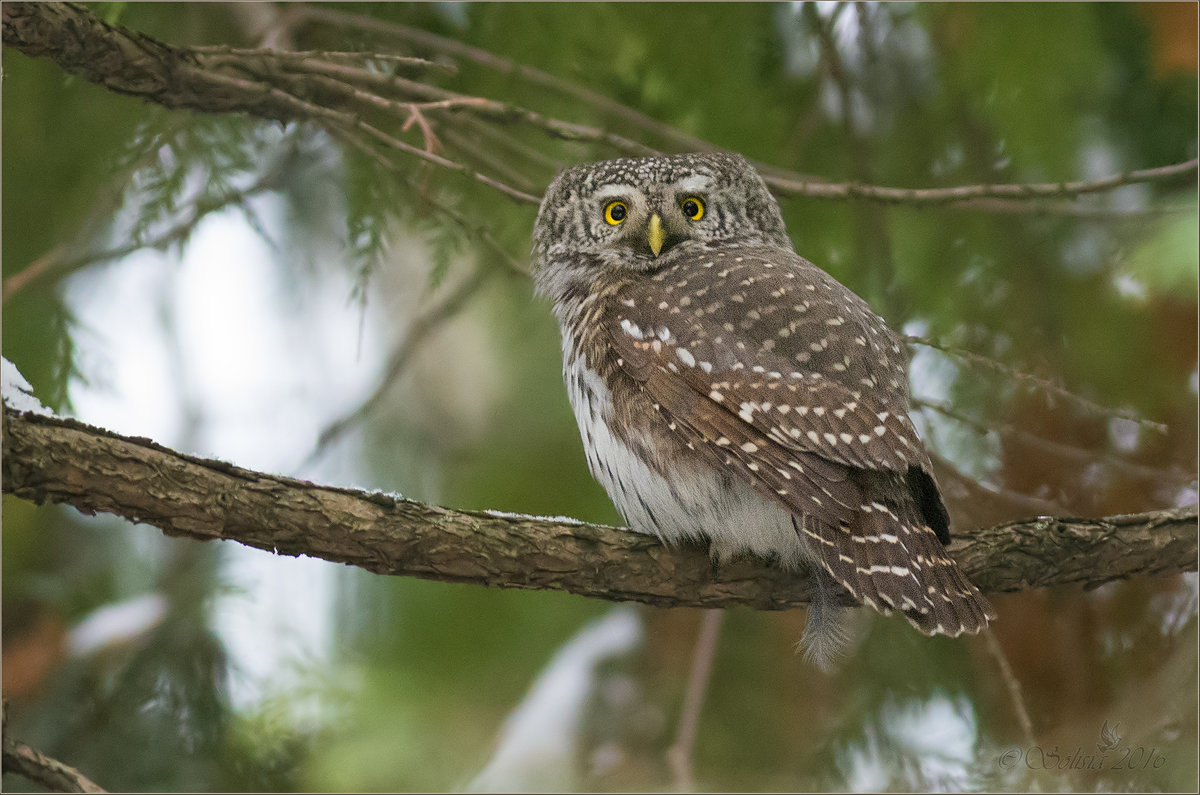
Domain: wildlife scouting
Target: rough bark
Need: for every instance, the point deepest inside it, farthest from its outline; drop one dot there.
(61, 460)
(129, 62)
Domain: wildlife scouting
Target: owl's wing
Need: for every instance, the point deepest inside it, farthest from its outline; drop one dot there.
(826, 434)
(781, 345)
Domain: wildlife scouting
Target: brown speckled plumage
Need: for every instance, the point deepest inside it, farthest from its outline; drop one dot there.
(728, 389)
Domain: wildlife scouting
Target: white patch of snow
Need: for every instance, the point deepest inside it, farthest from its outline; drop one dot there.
(17, 392)
(525, 517)
(116, 623)
(539, 741)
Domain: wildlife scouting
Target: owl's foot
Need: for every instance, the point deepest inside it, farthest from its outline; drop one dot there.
(716, 558)
(718, 555)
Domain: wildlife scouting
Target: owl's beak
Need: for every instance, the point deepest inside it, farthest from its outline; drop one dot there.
(655, 234)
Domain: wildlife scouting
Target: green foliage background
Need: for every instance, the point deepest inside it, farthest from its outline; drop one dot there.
(421, 675)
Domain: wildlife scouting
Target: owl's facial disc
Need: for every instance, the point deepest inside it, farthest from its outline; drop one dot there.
(649, 223)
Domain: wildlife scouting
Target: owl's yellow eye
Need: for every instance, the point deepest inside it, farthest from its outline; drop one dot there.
(615, 212)
(693, 207)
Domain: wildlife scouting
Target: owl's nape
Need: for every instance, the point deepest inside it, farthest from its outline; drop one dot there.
(726, 388)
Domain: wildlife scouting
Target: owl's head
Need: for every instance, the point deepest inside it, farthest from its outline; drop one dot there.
(642, 214)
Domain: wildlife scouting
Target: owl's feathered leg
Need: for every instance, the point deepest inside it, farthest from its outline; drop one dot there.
(824, 638)
(825, 634)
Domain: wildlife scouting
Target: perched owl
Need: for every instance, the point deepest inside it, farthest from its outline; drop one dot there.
(728, 389)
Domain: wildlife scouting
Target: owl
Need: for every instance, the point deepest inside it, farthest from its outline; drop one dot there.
(729, 391)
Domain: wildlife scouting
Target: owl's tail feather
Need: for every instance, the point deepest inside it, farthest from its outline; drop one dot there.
(893, 561)
(958, 606)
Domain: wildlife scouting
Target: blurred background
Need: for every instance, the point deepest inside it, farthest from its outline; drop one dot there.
(290, 300)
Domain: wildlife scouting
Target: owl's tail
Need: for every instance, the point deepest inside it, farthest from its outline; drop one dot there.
(893, 561)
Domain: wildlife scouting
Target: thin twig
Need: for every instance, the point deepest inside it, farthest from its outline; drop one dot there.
(438, 160)
(309, 110)
(288, 56)
(424, 324)
(1012, 685)
(486, 108)
(785, 185)
(679, 755)
(533, 154)
(872, 241)
(431, 318)
(964, 193)
(179, 79)
(1073, 209)
(487, 59)
(1019, 503)
(479, 233)
(1036, 382)
(473, 150)
(1072, 452)
(53, 264)
(376, 81)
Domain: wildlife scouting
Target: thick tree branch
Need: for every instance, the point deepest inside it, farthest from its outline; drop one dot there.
(62, 460)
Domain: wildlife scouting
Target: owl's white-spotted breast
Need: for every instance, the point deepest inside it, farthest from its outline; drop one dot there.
(729, 390)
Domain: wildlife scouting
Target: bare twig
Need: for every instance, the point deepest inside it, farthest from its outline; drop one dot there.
(424, 324)
(487, 59)
(429, 320)
(537, 156)
(1014, 501)
(482, 150)
(965, 193)
(1072, 452)
(794, 185)
(1073, 209)
(45, 770)
(679, 755)
(1012, 685)
(55, 265)
(309, 110)
(481, 107)
(478, 233)
(239, 54)
(1036, 382)
(872, 240)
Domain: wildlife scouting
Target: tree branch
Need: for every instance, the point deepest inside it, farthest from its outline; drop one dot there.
(226, 81)
(129, 62)
(61, 460)
(45, 770)
(55, 264)
(965, 194)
